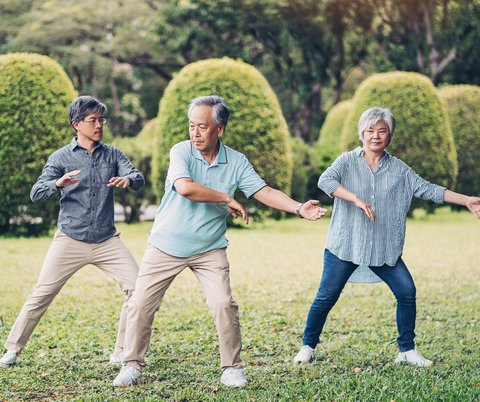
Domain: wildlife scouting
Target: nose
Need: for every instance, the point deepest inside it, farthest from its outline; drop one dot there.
(194, 131)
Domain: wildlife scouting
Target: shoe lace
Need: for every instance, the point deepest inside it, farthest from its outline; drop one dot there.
(130, 371)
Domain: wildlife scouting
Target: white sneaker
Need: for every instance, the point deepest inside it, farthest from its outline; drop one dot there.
(116, 360)
(9, 358)
(413, 357)
(234, 377)
(128, 376)
(305, 355)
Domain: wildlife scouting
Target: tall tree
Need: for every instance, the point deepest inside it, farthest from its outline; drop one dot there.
(424, 35)
(300, 46)
(105, 48)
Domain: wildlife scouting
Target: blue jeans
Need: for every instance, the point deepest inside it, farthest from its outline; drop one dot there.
(335, 275)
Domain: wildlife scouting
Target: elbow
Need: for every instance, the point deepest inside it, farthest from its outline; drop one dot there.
(182, 189)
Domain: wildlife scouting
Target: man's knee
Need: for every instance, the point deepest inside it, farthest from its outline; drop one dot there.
(223, 304)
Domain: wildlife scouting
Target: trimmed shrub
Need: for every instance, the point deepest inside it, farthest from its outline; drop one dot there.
(139, 151)
(257, 127)
(328, 144)
(463, 107)
(35, 94)
(423, 138)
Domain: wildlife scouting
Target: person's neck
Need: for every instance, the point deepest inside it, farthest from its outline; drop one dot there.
(210, 156)
(89, 145)
(373, 158)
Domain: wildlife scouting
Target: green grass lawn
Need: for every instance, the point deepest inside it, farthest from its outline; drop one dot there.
(275, 271)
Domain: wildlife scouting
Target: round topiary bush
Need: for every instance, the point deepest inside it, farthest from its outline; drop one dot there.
(257, 127)
(463, 107)
(328, 144)
(35, 94)
(423, 138)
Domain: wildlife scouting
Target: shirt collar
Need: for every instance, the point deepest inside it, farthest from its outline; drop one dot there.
(359, 152)
(73, 144)
(220, 159)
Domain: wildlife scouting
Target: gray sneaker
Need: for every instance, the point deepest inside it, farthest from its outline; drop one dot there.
(305, 355)
(9, 359)
(116, 360)
(233, 377)
(128, 376)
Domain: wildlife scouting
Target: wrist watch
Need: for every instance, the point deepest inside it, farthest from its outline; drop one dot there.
(297, 211)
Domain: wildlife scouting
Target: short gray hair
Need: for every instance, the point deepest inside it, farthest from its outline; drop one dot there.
(220, 110)
(372, 116)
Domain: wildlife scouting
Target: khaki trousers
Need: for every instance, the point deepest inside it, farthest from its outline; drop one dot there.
(157, 272)
(65, 257)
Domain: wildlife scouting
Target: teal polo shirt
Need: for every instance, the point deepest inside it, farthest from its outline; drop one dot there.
(184, 228)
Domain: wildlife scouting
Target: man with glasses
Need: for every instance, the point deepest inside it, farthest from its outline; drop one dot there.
(86, 172)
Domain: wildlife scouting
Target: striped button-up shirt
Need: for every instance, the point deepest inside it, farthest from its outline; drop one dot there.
(353, 236)
(86, 207)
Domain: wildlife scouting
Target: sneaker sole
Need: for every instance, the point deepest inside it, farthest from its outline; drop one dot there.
(7, 365)
(234, 385)
(412, 364)
(137, 381)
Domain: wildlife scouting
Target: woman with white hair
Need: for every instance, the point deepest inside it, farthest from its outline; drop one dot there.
(373, 192)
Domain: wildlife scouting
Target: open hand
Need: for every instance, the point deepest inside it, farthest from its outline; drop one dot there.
(473, 204)
(365, 207)
(68, 179)
(234, 207)
(309, 210)
(119, 181)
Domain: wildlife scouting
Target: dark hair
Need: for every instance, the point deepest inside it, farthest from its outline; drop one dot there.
(220, 110)
(83, 106)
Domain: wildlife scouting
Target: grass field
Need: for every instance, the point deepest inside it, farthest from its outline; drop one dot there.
(275, 271)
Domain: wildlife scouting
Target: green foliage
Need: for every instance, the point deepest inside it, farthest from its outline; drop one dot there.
(328, 144)
(139, 151)
(435, 38)
(256, 128)
(463, 107)
(105, 52)
(423, 138)
(34, 96)
(275, 271)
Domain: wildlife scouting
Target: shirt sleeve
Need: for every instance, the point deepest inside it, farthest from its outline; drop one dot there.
(45, 186)
(126, 169)
(249, 182)
(179, 167)
(331, 179)
(423, 189)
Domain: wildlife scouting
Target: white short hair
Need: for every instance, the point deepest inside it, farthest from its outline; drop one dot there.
(372, 116)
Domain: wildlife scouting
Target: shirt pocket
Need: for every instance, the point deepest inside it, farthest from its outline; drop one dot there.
(226, 188)
(106, 171)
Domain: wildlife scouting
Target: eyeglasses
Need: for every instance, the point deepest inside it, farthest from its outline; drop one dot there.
(102, 121)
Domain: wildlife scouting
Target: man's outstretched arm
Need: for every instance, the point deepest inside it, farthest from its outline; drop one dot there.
(278, 200)
(199, 193)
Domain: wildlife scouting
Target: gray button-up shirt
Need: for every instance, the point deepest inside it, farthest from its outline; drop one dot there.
(353, 236)
(86, 207)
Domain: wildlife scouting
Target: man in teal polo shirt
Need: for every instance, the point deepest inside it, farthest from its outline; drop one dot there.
(189, 231)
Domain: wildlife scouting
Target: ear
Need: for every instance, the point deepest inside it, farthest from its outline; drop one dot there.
(75, 125)
(221, 129)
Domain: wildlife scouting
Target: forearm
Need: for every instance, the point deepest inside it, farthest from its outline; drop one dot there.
(455, 198)
(276, 199)
(199, 193)
(138, 181)
(43, 190)
(344, 194)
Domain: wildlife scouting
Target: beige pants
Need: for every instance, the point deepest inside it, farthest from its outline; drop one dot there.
(157, 272)
(65, 257)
